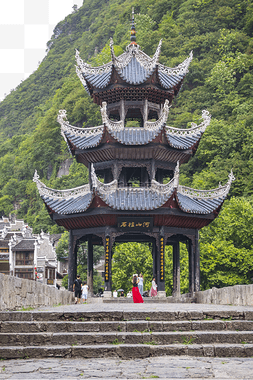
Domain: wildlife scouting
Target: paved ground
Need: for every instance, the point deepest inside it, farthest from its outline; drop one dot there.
(160, 367)
(149, 307)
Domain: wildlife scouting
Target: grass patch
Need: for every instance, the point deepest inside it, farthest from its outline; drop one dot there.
(28, 308)
(147, 318)
(227, 319)
(187, 340)
(116, 341)
(152, 342)
(144, 331)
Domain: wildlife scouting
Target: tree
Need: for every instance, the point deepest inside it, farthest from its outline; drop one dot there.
(128, 259)
(131, 258)
(226, 246)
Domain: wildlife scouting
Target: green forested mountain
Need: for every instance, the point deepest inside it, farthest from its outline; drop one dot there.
(220, 79)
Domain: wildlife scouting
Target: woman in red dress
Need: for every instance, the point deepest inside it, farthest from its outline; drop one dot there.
(137, 298)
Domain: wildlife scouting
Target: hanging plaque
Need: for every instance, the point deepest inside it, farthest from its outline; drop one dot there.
(135, 224)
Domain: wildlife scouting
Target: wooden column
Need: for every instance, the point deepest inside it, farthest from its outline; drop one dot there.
(145, 111)
(108, 260)
(72, 261)
(160, 265)
(196, 263)
(176, 269)
(90, 266)
(90, 180)
(122, 110)
(191, 266)
(144, 177)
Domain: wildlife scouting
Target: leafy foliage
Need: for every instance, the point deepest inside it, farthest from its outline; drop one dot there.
(131, 258)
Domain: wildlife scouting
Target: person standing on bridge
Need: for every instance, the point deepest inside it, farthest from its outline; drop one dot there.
(77, 288)
(85, 289)
(153, 290)
(137, 298)
(140, 284)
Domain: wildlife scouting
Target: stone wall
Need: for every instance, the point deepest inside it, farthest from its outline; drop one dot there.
(238, 295)
(17, 293)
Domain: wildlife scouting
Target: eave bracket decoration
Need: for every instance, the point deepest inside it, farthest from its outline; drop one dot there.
(194, 130)
(81, 132)
(59, 194)
(181, 69)
(219, 192)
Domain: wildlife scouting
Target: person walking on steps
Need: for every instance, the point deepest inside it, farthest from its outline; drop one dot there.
(77, 288)
(137, 298)
(140, 284)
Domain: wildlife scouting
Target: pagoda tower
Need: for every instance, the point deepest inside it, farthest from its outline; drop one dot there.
(140, 198)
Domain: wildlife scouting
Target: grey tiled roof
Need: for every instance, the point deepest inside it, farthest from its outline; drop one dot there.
(84, 142)
(183, 141)
(4, 243)
(99, 80)
(198, 206)
(25, 244)
(70, 205)
(55, 237)
(134, 67)
(10, 234)
(169, 81)
(134, 72)
(139, 199)
(134, 136)
(135, 199)
(2, 224)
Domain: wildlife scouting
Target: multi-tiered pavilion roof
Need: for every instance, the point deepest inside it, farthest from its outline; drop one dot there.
(181, 204)
(134, 86)
(132, 76)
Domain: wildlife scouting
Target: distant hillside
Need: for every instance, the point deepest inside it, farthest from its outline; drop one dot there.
(220, 80)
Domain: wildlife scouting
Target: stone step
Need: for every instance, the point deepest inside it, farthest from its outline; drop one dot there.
(114, 338)
(124, 326)
(125, 315)
(127, 351)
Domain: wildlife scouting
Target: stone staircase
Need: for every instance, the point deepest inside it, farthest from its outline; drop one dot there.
(126, 334)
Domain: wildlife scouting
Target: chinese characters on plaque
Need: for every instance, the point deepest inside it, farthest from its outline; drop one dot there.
(135, 224)
(162, 259)
(107, 245)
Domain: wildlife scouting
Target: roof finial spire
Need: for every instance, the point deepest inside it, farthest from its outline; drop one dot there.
(133, 32)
